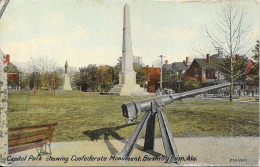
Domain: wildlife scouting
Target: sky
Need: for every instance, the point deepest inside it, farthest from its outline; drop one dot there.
(90, 31)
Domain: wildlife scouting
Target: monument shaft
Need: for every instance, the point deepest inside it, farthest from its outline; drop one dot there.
(127, 42)
(128, 75)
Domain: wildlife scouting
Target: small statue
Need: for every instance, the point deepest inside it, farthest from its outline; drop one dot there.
(66, 67)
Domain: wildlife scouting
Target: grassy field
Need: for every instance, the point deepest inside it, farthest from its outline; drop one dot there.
(87, 116)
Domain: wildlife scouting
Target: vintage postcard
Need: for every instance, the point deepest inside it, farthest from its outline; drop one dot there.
(129, 82)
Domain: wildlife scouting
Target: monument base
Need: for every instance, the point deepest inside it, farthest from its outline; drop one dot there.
(128, 90)
(66, 85)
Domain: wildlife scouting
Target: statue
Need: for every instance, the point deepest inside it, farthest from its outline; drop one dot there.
(66, 83)
(66, 67)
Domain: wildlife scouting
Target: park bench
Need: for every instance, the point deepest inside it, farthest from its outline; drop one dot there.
(29, 137)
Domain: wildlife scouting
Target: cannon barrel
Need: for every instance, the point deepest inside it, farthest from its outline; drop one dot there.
(131, 110)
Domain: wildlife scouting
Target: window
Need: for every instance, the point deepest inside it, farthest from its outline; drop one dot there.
(203, 74)
(212, 74)
(207, 74)
(195, 72)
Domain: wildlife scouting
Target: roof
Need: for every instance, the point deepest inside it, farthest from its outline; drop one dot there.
(167, 67)
(178, 66)
(202, 62)
(11, 68)
(216, 56)
(246, 63)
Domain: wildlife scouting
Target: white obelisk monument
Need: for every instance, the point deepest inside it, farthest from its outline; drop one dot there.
(127, 77)
(66, 84)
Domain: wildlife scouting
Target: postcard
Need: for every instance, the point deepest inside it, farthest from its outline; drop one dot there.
(129, 83)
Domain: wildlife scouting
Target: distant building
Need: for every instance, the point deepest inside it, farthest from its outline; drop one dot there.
(138, 61)
(12, 74)
(199, 69)
(153, 78)
(173, 74)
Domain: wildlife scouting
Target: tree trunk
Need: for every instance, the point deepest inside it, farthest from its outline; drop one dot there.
(231, 81)
(231, 90)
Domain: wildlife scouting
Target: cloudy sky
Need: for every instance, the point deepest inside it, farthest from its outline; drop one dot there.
(90, 31)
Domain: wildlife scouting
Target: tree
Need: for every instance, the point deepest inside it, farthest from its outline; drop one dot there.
(47, 69)
(77, 80)
(191, 83)
(256, 51)
(116, 70)
(230, 32)
(34, 77)
(42, 64)
(140, 75)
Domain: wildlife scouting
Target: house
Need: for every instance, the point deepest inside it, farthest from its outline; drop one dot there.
(245, 83)
(153, 78)
(201, 70)
(173, 74)
(13, 74)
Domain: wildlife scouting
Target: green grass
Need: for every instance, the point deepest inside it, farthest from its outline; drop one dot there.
(77, 112)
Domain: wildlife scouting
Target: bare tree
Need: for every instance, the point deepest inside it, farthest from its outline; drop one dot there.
(232, 32)
(42, 64)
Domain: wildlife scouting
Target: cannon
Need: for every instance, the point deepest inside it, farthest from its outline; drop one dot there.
(153, 107)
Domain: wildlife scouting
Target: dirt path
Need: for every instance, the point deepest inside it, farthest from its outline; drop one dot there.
(206, 150)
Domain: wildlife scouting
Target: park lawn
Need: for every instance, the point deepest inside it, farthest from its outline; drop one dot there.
(88, 116)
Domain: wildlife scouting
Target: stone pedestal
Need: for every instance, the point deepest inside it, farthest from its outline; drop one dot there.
(66, 84)
(128, 90)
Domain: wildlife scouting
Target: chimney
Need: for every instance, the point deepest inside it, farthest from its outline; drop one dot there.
(187, 60)
(236, 57)
(166, 62)
(207, 60)
(7, 59)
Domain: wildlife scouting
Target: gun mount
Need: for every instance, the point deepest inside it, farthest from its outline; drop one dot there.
(151, 107)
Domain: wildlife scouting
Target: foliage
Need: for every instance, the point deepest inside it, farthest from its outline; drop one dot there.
(35, 77)
(116, 70)
(256, 51)
(222, 66)
(92, 78)
(43, 80)
(140, 75)
(103, 78)
(173, 80)
(191, 83)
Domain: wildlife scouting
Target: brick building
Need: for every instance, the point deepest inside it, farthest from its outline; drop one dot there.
(200, 69)
(153, 78)
(12, 73)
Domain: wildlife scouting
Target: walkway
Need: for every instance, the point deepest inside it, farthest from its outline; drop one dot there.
(206, 151)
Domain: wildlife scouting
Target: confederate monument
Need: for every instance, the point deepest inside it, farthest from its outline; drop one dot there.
(66, 84)
(127, 77)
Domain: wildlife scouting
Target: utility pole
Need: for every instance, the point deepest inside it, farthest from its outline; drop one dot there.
(219, 51)
(161, 70)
